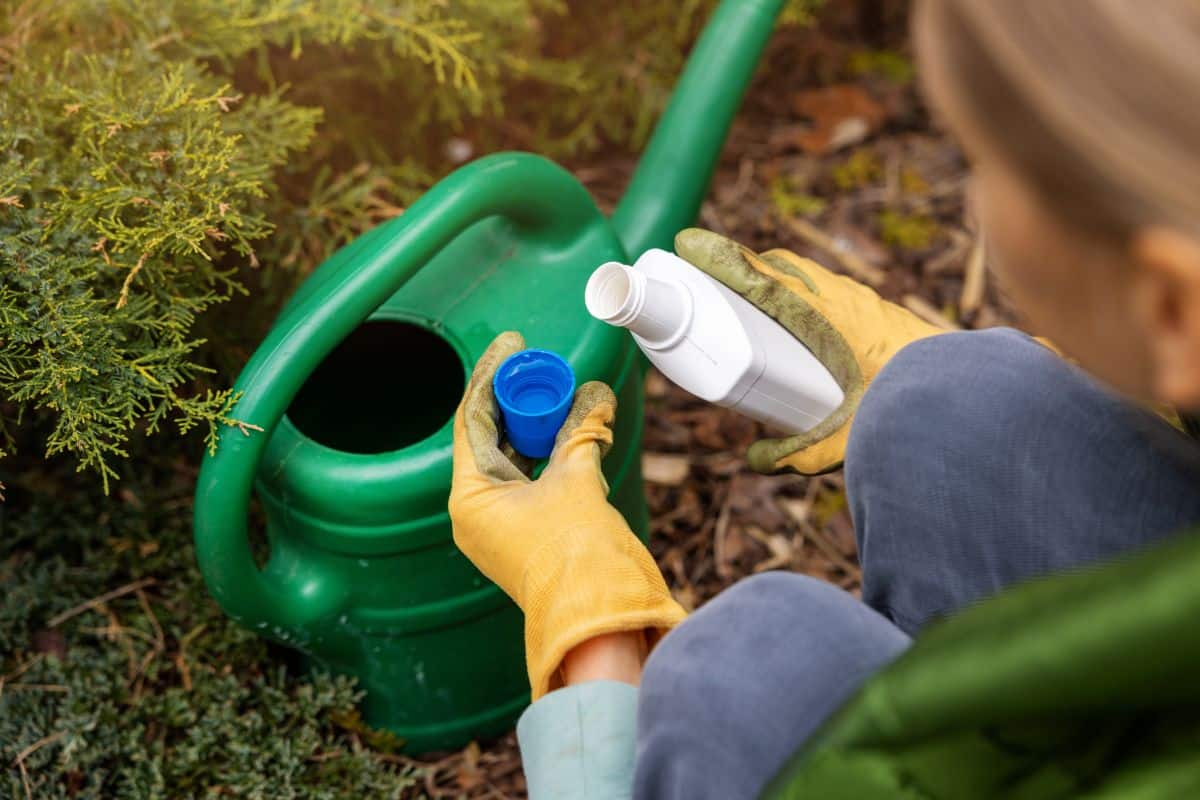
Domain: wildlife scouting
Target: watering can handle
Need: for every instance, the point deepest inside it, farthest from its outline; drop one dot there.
(533, 193)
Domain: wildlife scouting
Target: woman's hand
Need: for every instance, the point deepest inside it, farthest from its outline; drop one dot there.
(554, 545)
(846, 325)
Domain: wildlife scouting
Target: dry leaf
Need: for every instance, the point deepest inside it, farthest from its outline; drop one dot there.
(686, 597)
(656, 385)
(827, 506)
(975, 281)
(926, 311)
(469, 775)
(797, 508)
(841, 116)
(665, 468)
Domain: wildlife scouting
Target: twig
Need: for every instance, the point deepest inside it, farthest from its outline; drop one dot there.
(159, 638)
(712, 220)
(124, 297)
(25, 780)
(975, 281)
(98, 601)
(850, 261)
(745, 180)
(925, 310)
(831, 552)
(38, 745)
(185, 672)
(18, 672)
(799, 512)
(114, 628)
(721, 530)
(19, 761)
(21, 670)
(159, 644)
(891, 178)
(951, 259)
(782, 551)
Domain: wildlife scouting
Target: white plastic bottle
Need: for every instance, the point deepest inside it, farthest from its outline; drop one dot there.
(712, 342)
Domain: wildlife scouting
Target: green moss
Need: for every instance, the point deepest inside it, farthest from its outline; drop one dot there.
(907, 231)
(888, 63)
(859, 170)
(789, 202)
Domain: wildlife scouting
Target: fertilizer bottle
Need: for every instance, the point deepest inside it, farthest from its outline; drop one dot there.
(712, 342)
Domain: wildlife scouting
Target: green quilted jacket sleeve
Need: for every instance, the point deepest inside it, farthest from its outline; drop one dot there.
(1080, 685)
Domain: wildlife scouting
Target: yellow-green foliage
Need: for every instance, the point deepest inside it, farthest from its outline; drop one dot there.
(158, 157)
(887, 63)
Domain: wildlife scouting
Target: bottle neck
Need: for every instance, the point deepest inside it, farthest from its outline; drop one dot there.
(658, 312)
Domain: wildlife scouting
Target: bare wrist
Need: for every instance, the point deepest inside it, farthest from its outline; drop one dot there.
(610, 656)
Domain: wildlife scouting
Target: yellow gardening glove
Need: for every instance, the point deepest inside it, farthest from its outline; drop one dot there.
(846, 325)
(554, 545)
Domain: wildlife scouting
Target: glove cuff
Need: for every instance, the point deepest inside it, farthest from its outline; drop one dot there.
(588, 581)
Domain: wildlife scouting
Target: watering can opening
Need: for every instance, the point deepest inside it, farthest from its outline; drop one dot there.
(388, 385)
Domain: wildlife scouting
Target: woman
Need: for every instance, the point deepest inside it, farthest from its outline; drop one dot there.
(992, 483)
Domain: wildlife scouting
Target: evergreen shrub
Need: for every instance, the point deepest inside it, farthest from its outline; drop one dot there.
(161, 157)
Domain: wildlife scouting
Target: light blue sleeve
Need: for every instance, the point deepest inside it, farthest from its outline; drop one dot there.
(578, 742)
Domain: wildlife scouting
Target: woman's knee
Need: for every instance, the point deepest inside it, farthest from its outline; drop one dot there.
(713, 649)
(729, 694)
(947, 391)
(967, 449)
(954, 415)
(731, 624)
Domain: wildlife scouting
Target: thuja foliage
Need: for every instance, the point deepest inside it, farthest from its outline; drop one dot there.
(160, 157)
(154, 693)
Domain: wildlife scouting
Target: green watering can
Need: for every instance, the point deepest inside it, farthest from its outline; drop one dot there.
(355, 388)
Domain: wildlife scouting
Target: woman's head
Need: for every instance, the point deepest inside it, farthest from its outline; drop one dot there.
(1082, 118)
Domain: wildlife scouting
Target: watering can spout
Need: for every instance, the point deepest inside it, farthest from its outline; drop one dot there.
(672, 178)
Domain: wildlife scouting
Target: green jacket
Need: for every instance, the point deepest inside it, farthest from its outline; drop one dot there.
(1079, 685)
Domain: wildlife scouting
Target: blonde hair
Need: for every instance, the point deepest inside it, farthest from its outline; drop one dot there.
(1096, 103)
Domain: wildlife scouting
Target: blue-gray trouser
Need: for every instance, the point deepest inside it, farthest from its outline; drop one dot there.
(976, 460)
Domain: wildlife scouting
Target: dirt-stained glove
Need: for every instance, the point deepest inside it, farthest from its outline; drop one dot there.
(554, 545)
(846, 325)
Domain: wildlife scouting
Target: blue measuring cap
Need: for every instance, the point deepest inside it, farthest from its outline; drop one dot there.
(534, 389)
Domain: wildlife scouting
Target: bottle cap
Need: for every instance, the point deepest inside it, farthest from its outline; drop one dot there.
(534, 389)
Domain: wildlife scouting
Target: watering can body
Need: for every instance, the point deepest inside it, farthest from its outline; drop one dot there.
(354, 391)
